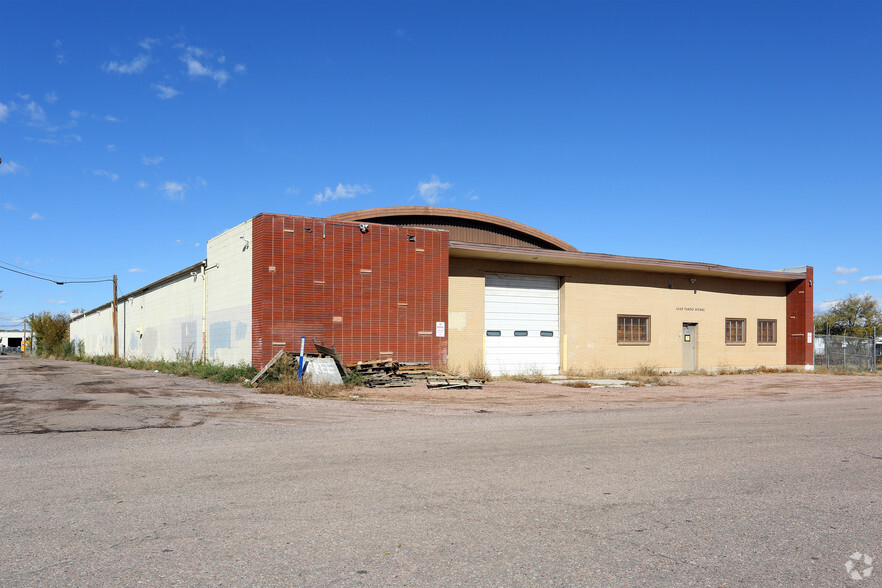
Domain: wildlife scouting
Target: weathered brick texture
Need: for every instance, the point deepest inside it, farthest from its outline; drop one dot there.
(374, 295)
(800, 320)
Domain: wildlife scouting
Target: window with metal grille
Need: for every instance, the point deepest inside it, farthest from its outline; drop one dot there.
(632, 329)
(766, 331)
(735, 331)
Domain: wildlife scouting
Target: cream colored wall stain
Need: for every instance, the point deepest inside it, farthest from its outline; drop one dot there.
(457, 320)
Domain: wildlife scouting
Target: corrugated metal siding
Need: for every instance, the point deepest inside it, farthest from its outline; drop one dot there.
(468, 230)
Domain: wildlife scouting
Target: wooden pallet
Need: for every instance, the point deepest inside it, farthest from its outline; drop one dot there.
(453, 383)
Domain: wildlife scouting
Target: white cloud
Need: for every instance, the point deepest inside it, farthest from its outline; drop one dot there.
(53, 301)
(174, 190)
(137, 270)
(4, 112)
(239, 69)
(200, 182)
(842, 271)
(876, 278)
(11, 206)
(103, 172)
(111, 118)
(197, 244)
(177, 241)
(9, 167)
(76, 114)
(59, 56)
(111, 147)
(51, 97)
(194, 68)
(135, 66)
(841, 282)
(148, 43)
(156, 160)
(825, 305)
(431, 190)
(164, 92)
(142, 184)
(197, 60)
(341, 191)
(291, 190)
(36, 113)
(36, 216)
(221, 77)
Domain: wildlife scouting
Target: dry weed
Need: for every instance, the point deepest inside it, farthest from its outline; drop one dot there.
(291, 386)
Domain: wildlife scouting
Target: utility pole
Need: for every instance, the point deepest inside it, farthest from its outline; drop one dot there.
(115, 328)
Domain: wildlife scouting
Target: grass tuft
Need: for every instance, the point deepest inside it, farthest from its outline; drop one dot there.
(577, 384)
(215, 372)
(534, 376)
(291, 386)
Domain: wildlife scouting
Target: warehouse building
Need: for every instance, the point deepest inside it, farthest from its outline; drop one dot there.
(460, 289)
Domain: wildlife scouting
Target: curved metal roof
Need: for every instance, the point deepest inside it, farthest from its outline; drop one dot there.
(463, 225)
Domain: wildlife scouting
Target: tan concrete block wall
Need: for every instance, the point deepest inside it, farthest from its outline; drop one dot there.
(465, 317)
(592, 299)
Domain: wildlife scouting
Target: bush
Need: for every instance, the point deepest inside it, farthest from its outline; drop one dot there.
(51, 332)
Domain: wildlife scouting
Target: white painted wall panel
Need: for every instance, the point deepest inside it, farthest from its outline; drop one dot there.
(228, 288)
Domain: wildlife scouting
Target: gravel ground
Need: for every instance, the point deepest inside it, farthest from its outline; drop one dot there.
(124, 478)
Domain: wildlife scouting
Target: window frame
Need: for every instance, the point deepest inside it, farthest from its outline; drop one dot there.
(726, 331)
(620, 331)
(759, 330)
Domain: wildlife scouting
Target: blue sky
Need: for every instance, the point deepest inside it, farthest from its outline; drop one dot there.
(738, 133)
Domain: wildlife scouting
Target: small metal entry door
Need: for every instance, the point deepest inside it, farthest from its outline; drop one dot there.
(690, 347)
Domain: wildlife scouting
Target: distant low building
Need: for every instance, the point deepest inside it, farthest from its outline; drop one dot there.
(12, 339)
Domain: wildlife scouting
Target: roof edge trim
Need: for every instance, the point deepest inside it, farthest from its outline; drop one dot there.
(581, 258)
(151, 285)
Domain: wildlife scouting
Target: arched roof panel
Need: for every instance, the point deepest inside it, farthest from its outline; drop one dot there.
(463, 225)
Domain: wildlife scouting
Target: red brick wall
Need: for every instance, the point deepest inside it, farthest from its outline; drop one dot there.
(374, 295)
(800, 320)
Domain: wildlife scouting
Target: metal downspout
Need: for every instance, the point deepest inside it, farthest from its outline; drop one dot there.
(204, 318)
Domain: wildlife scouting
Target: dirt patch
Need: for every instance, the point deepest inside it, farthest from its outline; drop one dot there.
(556, 396)
(46, 396)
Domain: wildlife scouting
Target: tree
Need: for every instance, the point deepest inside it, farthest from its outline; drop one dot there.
(854, 317)
(51, 330)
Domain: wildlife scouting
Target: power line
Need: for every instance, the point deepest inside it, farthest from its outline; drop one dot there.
(33, 271)
(59, 282)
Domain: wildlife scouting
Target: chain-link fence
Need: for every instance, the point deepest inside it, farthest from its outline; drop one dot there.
(845, 353)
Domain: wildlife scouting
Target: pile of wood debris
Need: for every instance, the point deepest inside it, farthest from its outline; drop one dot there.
(385, 373)
(382, 373)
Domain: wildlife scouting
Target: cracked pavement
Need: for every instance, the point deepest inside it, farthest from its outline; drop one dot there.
(150, 479)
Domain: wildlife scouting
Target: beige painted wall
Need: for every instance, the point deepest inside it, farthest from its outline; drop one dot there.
(591, 300)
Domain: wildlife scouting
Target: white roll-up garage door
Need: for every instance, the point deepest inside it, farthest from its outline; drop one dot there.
(522, 324)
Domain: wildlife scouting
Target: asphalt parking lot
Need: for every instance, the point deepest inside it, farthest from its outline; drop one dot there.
(115, 477)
